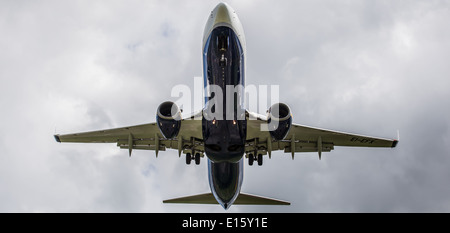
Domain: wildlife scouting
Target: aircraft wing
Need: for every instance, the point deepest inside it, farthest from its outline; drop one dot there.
(144, 137)
(307, 139)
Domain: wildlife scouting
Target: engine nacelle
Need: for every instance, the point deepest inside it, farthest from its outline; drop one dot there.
(279, 120)
(168, 118)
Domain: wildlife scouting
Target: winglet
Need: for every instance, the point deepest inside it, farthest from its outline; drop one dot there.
(394, 143)
(57, 138)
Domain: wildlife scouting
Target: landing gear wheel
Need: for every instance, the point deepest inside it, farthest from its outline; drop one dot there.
(260, 160)
(197, 158)
(250, 159)
(188, 158)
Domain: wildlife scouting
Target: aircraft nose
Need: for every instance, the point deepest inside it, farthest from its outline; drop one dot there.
(223, 14)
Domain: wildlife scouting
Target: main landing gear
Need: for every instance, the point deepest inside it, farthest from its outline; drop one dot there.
(196, 157)
(252, 158)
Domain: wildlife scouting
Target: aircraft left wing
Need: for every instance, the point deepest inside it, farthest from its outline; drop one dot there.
(144, 137)
(301, 138)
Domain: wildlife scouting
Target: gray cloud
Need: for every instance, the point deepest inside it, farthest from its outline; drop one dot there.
(368, 67)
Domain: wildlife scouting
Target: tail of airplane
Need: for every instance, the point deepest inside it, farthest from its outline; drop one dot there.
(242, 199)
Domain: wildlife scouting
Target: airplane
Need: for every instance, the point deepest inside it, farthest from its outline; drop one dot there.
(226, 142)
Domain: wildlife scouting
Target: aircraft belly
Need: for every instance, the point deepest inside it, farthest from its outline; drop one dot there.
(225, 180)
(224, 125)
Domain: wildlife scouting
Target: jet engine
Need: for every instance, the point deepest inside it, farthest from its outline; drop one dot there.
(168, 118)
(279, 120)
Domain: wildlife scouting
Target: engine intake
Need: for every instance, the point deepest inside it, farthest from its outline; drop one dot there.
(168, 118)
(279, 120)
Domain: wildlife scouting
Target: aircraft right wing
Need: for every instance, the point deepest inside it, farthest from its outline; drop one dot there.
(145, 137)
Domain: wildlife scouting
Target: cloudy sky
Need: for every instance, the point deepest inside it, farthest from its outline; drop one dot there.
(368, 67)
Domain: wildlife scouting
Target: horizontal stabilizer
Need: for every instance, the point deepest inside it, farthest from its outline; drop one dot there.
(249, 199)
(206, 198)
(242, 199)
